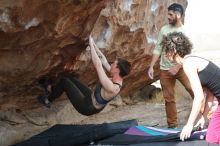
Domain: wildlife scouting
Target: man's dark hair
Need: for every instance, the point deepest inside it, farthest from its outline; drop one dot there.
(178, 43)
(124, 67)
(177, 8)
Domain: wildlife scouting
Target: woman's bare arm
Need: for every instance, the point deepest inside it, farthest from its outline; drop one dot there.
(208, 103)
(191, 72)
(102, 57)
(207, 107)
(103, 78)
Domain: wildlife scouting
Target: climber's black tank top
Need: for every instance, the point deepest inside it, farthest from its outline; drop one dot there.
(210, 77)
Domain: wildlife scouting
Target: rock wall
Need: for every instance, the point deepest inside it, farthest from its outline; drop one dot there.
(46, 38)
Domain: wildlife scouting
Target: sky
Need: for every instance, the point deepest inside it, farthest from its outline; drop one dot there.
(203, 16)
(202, 22)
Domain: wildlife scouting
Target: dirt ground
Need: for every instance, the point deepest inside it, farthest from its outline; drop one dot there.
(149, 114)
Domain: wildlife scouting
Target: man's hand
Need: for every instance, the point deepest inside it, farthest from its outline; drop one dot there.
(173, 70)
(151, 72)
(186, 132)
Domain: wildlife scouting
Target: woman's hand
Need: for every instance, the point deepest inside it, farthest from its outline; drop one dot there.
(186, 132)
(201, 122)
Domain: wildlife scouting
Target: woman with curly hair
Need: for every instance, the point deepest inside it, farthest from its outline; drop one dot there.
(201, 73)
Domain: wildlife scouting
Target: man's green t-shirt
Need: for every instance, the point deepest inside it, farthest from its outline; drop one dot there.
(165, 64)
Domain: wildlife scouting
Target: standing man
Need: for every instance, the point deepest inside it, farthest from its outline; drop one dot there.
(169, 71)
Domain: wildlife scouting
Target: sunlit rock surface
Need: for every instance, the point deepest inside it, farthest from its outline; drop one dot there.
(44, 39)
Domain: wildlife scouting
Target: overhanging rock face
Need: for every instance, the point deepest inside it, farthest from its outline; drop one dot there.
(44, 38)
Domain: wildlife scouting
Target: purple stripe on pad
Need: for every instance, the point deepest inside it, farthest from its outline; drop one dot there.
(135, 131)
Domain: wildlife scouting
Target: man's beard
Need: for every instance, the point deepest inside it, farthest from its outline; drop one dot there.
(173, 22)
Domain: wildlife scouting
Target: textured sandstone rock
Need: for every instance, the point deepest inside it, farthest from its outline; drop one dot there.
(45, 38)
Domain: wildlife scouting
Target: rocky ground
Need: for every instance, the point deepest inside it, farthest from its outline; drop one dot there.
(29, 124)
(17, 125)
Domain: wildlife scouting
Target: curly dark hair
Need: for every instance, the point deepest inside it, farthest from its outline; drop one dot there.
(177, 43)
